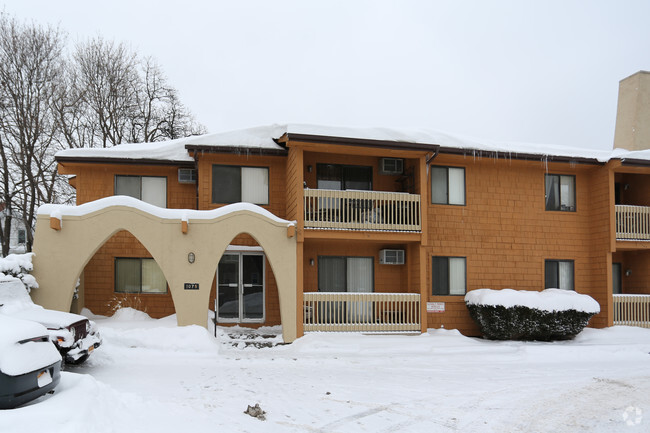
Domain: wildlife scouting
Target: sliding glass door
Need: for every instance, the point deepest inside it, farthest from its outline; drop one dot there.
(346, 274)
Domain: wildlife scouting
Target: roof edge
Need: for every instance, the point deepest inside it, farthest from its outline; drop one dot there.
(236, 150)
(122, 161)
(524, 156)
(363, 142)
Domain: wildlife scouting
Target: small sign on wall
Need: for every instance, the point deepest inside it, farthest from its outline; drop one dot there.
(435, 307)
(191, 286)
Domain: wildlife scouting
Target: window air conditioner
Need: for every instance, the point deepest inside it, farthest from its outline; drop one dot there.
(186, 175)
(391, 166)
(391, 257)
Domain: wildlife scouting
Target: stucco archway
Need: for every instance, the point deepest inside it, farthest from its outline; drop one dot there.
(169, 235)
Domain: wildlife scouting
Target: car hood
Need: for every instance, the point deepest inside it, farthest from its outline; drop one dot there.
(52, 319)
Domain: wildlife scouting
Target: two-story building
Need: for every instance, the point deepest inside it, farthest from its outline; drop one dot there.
(383, 230)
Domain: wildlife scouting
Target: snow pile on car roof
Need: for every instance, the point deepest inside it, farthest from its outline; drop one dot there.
(546, 300)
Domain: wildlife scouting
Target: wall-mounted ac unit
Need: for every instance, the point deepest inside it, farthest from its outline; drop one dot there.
(186, 175)
(391, 166)
(391, 257)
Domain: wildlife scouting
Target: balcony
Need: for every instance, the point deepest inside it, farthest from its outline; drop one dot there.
(361, 312)
(362, 210)
(632, 223)
(632, 310)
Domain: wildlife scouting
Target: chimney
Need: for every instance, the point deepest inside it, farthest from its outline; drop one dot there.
(633, 113)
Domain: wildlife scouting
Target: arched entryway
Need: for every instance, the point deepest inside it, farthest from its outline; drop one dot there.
(170, 235)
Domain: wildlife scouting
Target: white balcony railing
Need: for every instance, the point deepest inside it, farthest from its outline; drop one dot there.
(632, 222)
(632, 310)
(362, 210)
(362, 312)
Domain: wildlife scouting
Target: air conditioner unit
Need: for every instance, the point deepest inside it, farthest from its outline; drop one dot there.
(391, 257)
(186, 175)
(391, 166)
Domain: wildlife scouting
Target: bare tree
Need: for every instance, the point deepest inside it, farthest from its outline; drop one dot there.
(106, 81)
(103, 95)
(30, 64)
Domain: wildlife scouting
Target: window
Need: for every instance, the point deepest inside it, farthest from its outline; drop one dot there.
(345, 274)
(558, 274)
(150, 189)
(139, 275)
(21, 236)
(233, 184)
(560, 192)
(342, 177)
(449, 275)
(448, 185)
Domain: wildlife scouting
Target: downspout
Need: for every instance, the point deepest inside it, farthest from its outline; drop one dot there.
(432, 157)
(196, 170)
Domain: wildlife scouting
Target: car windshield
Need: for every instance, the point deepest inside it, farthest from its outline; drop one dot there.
(13, 295)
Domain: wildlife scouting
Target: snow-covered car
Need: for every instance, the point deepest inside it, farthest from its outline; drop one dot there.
(75, 336)
(30, 365)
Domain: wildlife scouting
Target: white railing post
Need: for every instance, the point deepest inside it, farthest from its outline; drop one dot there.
(362, 210)
(362, 312)
(632, 222)
(632, 310)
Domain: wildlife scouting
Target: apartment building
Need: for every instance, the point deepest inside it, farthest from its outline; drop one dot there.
(376, 230)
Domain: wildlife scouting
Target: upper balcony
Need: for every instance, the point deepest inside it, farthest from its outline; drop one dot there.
(632, 191)
(362, 210)
(632, 223)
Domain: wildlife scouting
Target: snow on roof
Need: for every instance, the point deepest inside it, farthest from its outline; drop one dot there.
(263, 138)
(174, 150)
(546, 300)
(58, 211)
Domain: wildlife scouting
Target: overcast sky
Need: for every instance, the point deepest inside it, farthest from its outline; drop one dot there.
(546, 72)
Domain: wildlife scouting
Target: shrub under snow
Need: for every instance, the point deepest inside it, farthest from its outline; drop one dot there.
(19, 266)
(551, 314)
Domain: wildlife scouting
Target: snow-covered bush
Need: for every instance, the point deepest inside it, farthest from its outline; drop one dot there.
(551, 314)
(19, 266)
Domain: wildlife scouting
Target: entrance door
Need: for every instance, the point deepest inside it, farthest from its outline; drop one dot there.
(240, 281)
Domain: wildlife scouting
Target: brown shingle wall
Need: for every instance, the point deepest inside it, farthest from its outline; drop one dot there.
(638, 263)
(294, 189)
(598, 270)
(506, 234)
(95, 181)
(99, 280)
(277, 178)
(388, 278)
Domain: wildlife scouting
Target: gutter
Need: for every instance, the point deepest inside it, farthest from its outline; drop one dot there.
(522, 156)
(122, 161)
(360, 142)
(235, 150)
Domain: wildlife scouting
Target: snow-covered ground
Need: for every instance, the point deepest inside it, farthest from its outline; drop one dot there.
(151, 376)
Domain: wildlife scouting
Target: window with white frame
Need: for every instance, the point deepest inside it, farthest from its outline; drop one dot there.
(22, 234)
(558, 274)
(560, 192)
(138, 275)
(233, 184)
(150, 189)
(447, 185)
(448, 275)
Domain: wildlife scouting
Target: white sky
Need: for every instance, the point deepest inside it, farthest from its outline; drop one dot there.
(546, 72)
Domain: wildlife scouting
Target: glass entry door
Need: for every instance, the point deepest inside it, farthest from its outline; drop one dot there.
(240, 287)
